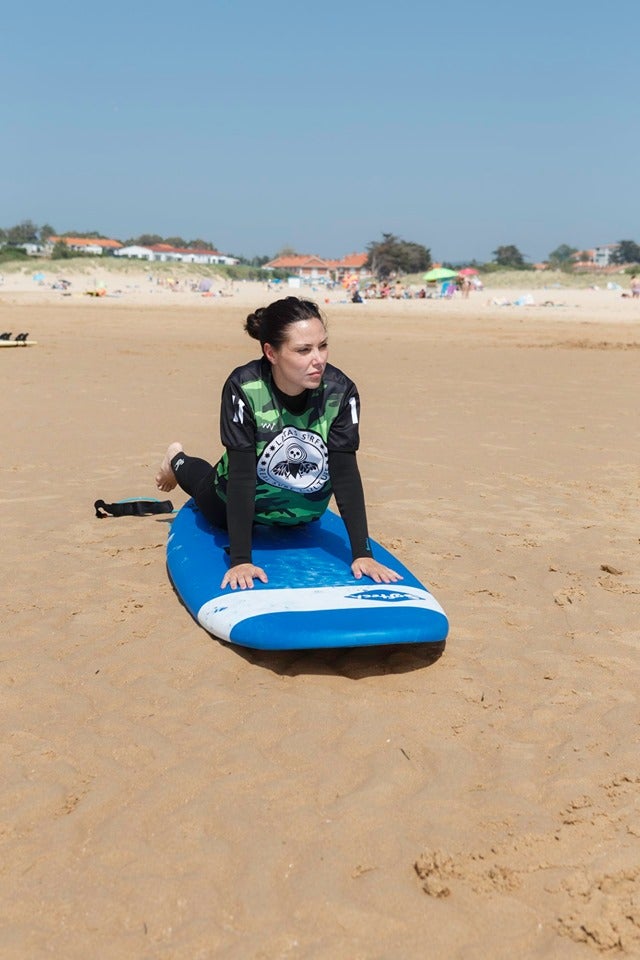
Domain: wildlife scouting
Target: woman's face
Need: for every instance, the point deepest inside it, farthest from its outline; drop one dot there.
(299, 363)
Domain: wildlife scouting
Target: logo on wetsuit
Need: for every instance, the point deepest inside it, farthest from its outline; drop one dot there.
(295, 460)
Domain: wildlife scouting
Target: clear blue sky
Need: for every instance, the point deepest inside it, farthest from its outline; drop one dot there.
(320, 125)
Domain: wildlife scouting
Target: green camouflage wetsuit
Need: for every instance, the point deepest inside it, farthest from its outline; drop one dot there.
(292, 448)
(284, 458)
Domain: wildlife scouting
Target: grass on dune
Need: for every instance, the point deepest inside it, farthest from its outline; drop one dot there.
(93, 267)
(539, 279)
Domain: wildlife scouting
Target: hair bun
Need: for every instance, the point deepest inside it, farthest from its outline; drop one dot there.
(253, 324)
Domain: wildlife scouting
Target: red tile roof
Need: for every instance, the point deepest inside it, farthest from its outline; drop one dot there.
(352, 261)
(87, 241)
(298, 260)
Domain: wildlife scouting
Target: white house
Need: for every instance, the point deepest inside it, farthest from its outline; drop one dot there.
(32, 249)
(135, 253)
(164, 253)
(602, 254)
(95, 246)
(206, 256)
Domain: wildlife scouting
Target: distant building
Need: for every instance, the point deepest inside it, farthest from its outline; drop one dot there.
(306, 266)
(311, 267)
(32, 249)
(165, 253)
(94, 245)
(135, 252)
(602, 254)
(353, 265)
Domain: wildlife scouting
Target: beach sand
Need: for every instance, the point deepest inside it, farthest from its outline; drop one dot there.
(166, 796)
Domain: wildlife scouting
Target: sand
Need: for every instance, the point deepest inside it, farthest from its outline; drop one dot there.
(166, 796)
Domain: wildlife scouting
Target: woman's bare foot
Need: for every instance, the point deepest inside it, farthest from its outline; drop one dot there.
(165, 480)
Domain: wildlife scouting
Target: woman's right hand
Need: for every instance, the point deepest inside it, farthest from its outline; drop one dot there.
(243, 575)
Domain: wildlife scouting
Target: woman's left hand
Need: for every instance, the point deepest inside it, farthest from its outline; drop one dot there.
(368, 567)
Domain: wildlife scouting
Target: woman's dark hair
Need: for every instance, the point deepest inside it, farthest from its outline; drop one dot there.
(269, 324)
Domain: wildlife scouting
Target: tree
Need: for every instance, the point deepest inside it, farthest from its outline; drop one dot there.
(144, 240)
(25, 232)
(200, 245)
(62, 251)
(509, 256)
(627, 251)
(251, 261)
(562, 256)
(46, 231)
(391, 255)
(84, 234)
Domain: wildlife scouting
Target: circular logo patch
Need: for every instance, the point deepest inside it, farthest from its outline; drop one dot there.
(295, 460)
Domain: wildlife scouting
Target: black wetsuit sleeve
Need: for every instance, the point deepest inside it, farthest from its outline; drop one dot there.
(347, 489)
(241, 496)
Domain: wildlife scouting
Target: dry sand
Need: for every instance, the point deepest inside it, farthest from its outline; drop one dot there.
(166, 796)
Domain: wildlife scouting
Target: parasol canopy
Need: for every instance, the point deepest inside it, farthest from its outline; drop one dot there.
(439, 273)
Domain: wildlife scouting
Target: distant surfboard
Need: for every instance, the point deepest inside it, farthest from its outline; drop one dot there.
(311, 601)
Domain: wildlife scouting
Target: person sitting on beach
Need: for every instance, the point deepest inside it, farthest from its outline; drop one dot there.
(289, 422)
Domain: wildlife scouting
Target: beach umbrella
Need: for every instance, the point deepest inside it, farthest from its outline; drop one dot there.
(439, 273)
(467, 271)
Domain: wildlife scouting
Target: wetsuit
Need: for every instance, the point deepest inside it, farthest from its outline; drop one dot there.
(284, 457)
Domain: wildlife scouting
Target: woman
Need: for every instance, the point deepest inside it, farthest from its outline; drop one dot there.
(289, 425)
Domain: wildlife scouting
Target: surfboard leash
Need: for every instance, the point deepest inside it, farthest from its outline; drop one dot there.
(132, 508)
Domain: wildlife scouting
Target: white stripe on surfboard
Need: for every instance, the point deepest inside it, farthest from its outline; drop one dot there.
(220, 615)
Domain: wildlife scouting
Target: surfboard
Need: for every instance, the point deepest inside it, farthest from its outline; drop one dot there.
(18, 343)
(312, 599)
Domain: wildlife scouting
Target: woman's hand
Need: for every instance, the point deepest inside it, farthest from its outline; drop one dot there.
(242, 575)
(368, 567)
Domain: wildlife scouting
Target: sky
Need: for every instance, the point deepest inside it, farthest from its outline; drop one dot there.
(321, 126)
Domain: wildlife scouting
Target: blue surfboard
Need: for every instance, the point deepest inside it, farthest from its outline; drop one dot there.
(312, 599)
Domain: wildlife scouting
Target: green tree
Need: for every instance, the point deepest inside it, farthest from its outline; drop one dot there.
(24, 232)
(562, 256)
(144, 240)
(176, 242)
(61, 251)
(84, 234)
(46, 231)
(12, 253)
(392, 255)
(627, 251)
(509, 256)
(201, 245)
(250, 261)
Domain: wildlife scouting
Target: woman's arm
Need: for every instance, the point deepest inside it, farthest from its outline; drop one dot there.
(347, 489)
(241, 494)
